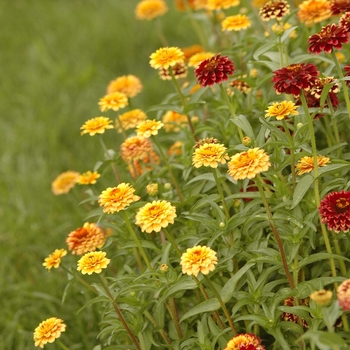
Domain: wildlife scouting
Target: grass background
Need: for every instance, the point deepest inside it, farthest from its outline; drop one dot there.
(57, 58)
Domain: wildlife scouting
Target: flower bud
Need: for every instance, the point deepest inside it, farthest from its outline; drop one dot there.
(222, 224)
(247, 141)
(321, 297)
(253, 73)
(237, 203)
(164, 268)
(299, 125)
(152, 189)
(167, 186)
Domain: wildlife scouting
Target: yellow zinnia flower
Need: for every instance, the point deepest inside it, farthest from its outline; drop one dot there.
(198, 259)
(280, 110)
(114, 101)
(54, 259)
(236, 23)
(130, 119)
(221, 4)
(175, 148)
(64, 182)
(166, 57)
(171, 119)
(93, 262)
(246, 165)
(149, 9)
(321, 297)
(148, 128)
(88, 178)
(127, 84)
(96, 125)
(136, 148)
(209, 154)
(197, 58)
(48, 331)
(153, 216)
(306, 164)
(314, 11)
(115, 199)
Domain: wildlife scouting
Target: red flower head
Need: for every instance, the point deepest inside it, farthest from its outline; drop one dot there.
(214, 70)
(344, 22)
(331, 36)
(294, 78)
(347, 73)
(343, 295)
(340, 6)
(335, 211)
(245, 342)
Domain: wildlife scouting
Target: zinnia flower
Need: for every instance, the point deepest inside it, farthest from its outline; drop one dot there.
(152, 189)
(136, 148)
(189, 51)
(173, 121)
(198, 259)
(93, 262)
(340, 6)
(245, 342)
(115, 199)
(54, 259)
(319, 85)
(88, 178)
(96, 125)
(175, 148)
(114, 101)
(344, 22)
(236, 23)
(330, 37)
(126, 84)
(347, 73)
(166, 57)
(193, 4)
(48, 331)
(179, 70)
(306, 164)
(197, 58)
(281, 110)
(130, 119)
(240, 85)
(335, 211)
(321, 297)
(274, 10)
(64, 182)
(150, 9)
(221, 4)
(314, 11)
(291, 317)
(294, 78)
(214, 70)
(148, 128)
(246, 165)
(86, 239)
(343, 295)
(154, 216)
(209, 154)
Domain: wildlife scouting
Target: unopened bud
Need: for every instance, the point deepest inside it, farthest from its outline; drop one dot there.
(299, 125)
(152, 189)
(321, 297)
(237, 203)
(253, 73)
(164, 268)
(247, 141)
(222, 224)
(195, 119)
(167, 186)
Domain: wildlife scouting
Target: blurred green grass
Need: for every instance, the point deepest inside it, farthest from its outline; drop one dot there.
(57, 58)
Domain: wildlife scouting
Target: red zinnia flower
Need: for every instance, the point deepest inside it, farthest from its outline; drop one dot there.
(340, 6)
(344, 22)
(294, 78)
(335, 211)
(214, 70)
(347, 73)
(331, 36)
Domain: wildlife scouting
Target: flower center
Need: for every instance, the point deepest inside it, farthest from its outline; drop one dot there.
(295, 68)
(342, 205)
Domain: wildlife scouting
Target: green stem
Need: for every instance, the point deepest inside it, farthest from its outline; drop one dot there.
(160, 330)
(343, 84)
(165, 160)
(232, 110)
(172, 241)
(120, 315)
(221, 193)
(116, 173)
(81, 280)
(259, 183)
(137, 241)
(62, 346)
(338, 251)
(121, 127)
(291, 149)
(222, 304)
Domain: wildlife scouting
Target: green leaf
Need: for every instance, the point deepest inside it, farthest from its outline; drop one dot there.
(191, 106)
(263, 49)
(230, 286)
(301, 188)
(94, 301)
(324, 340)
(320, 256)
(202, 177)
(332, 168)
(185, 283)
(206, 306)
(242, 122)
(165, 107)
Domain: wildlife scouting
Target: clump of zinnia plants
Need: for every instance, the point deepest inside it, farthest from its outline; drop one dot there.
(219, 218)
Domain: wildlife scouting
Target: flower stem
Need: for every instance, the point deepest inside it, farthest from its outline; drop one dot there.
(172, 241)
(137, 241)
(223, 306)
(259, 183)
(160, 330)
(116, 173)
(291, 148)
(62, 346)
(120, 316)
(221, 193)
(338, 251)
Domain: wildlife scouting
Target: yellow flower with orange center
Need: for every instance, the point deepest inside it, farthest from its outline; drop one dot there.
(86, 239)
(221, 4)
(48, 331)
(246, 165)
(64, 182)
(152, 189)
(130, 85)
(115, 199)
(96, 125)
(321, 297)
(150, 9)
(93, 262)
(113, 101)
(314, 11)
(306, 164)
(236, 23)
(154, 216)
(54, 259)
(197, 58)
(148, 128)
(88, 178)
(198, 259)
(130, 119)
(209, 154)
(172, 120)
(166, 57)
(281, 110)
